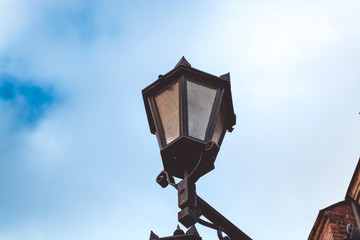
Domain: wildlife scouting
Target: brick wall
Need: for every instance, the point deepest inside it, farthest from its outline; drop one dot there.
(331, 222)
(353, 191)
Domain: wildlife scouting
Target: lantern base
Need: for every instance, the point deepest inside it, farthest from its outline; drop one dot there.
(183, 155)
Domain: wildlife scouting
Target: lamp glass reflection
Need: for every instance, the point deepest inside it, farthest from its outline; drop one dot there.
(200, 104)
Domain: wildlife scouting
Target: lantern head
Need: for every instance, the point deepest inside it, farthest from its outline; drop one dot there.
(187, 109)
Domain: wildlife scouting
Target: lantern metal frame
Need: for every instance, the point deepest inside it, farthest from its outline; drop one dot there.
(181, 155)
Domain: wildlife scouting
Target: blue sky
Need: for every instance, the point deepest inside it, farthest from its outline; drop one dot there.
(77, 160)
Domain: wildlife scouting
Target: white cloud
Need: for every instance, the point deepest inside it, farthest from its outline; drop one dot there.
(83, 160)
(282, 37)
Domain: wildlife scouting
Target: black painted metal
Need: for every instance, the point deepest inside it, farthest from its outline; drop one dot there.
(188, 157)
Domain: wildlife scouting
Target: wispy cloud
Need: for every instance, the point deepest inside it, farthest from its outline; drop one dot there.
(75, 144)
(24, 101)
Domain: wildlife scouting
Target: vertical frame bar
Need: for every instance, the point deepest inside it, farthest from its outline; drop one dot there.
(160, 133)
(184, 107)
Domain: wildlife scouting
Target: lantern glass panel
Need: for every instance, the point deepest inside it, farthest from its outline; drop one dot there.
(200, 104)
(167, 103)
(220, 124)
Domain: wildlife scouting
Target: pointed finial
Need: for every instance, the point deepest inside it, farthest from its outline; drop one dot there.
(178, 231)
(192, 231)
(225, 76)
(153, 236)
(183, 62)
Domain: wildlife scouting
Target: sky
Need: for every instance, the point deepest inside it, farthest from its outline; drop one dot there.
(78, 161)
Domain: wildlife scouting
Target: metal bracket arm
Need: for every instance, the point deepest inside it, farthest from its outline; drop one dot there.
(219, 220)
(192, 206)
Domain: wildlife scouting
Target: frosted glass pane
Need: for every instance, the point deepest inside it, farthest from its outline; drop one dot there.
(219, 127)
(168, 105)
(200, 103)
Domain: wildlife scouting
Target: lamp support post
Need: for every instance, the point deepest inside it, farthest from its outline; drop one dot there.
(193, 207)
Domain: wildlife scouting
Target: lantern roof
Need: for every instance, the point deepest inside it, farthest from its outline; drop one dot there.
(183, 62)
(225, 76)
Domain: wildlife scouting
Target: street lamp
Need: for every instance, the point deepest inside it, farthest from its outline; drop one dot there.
(190, 111)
